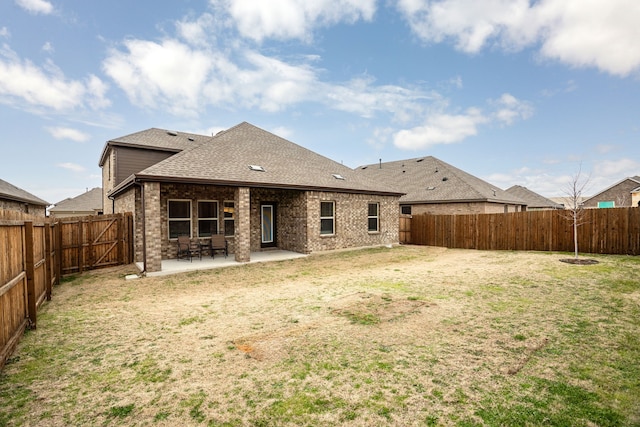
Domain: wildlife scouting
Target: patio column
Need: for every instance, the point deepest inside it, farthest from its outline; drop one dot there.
(152, 231)
(243, 224)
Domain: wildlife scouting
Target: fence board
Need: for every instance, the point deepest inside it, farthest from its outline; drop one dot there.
(604, 231)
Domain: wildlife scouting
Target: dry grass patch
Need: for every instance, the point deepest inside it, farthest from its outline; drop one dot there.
(403, 336)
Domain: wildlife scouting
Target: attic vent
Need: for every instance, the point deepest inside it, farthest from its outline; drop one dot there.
(364, 167)
(338, 176)
(431, 188)
(256, 168)
(172, 133)
(191, 139)
(419, 160)
(494, 191)
(444, 178)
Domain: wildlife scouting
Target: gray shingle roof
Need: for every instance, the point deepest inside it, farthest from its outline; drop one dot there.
(157, 139)
(533, 199)
(430, 180)
(11, 192)
(225, 159)
(86, 202)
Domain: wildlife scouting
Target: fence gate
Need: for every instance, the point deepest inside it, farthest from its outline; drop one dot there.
(95, 242)
(405, 229)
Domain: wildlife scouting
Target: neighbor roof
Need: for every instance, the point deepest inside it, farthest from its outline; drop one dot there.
(227, 159)
(11, 192)
(430, 180)
(89, 201)
(533, 199)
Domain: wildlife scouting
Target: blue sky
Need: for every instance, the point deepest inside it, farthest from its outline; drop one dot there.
(514, 92)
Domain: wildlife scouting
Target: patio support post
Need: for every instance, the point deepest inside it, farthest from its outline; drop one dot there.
(243, 224)
(152, 229)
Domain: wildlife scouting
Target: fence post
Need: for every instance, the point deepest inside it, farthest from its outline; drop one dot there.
(29, 269)
(121, 224)
(47, 259)
(58, 233)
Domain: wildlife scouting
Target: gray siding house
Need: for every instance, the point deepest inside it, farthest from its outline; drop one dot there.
(436, 187)
(258, 189)
(534, 201)
(85, 204)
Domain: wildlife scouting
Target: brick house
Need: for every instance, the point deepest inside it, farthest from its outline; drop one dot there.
(16, 199)
(260, 190)
(534, 201)
(624, 193)
(435, 187)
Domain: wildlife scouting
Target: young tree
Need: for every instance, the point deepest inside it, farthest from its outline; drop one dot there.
(575, 208)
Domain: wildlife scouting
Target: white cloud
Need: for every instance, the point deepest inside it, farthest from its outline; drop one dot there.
(598, 33)
(440, 129)
(36, 6)
(24, 84)
(4, 32)
(72, 167)
(293, 19)
(68, 133)
(509, 109)
(617, 168)
(48, 47)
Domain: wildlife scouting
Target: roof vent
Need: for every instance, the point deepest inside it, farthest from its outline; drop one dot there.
(444, 178)
(256, 168)
(431, 188)
(419, 160)
(172, 133)
(338, 176)
(191, 139)
(364, 167)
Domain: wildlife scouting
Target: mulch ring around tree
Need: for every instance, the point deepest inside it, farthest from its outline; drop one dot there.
(579, 261)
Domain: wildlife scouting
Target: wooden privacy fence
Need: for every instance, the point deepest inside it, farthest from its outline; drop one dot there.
(603, 231)
(36, 251)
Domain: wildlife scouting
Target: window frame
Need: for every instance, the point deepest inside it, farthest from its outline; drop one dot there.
(214, 219)
(331, 218)
(403, 208)
(231, 219)
(376, 217)
(171, 220)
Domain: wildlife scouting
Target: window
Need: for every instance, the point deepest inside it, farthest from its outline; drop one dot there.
(373, 217)
(229, 219)
(179, 218)
(327, 217)
(207, 218)
(607, 204)
(405, 209)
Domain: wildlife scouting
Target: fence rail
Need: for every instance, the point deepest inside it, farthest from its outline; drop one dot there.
(33, 256)
(603, 231)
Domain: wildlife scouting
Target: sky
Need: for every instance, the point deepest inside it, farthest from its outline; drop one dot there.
(515, 92)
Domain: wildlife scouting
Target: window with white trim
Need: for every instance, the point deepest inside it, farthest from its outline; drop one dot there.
(229, 218)
(327, 218)
(207, 218)
(179, 216)
(373, 217)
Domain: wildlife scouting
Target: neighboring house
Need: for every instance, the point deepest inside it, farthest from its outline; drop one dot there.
(433, 186)
(260, 190)
(534, 201)
(17, 199)
(624, 193)
(87, 203)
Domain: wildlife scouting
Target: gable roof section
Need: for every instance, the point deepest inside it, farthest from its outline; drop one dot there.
(634, 179)
(89, 201)
(11, 192)
(225, 159)
(430, 180)
(533, 199)
(156, 139)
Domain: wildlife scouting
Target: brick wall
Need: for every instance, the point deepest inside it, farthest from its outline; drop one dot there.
(351, 226)
(461, 208)
(130, 202)
(619, 194)
(108, 183)
(12, 205)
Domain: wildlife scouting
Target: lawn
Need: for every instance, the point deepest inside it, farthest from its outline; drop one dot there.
(409, 336)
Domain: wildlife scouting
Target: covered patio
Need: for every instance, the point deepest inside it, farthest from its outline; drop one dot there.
(173, 266)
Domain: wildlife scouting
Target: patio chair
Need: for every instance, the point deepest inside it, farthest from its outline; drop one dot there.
(188, 249)
(219, 243)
